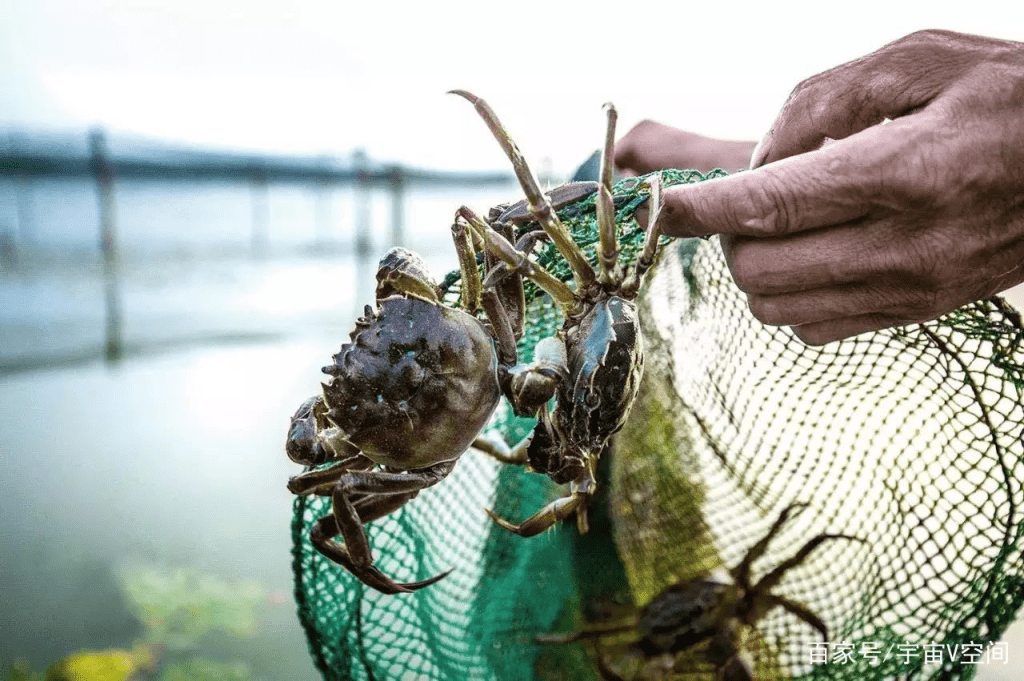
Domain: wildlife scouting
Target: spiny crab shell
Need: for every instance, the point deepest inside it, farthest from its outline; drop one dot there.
(415, 386)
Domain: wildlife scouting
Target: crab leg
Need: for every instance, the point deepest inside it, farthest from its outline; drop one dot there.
(580, 493)
(772, 579)
(501, 452)
(594, 631)
(801, 611)
(539, 204)
(549, 516)
(504, 335)
(321, 481)
(516, 260)
(605, 208)
(361, 487)
(467, 264)
(741, 573)
(322, 536)
(646, 258)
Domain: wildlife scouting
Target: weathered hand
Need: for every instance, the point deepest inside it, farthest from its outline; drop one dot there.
(891, 224)
(653, 146)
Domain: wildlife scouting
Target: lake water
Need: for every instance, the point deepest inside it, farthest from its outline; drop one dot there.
(190, 267)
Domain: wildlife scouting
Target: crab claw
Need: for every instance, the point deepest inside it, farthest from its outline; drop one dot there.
(555, 512)
(371, 576)
(364, 571)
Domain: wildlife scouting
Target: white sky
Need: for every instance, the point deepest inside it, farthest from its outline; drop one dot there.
(326, 77)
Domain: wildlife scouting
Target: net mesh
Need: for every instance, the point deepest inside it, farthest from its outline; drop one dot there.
(908, 440)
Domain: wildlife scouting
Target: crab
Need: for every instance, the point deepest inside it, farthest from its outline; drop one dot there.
(592, 367)
(714, 609)
(420, 379)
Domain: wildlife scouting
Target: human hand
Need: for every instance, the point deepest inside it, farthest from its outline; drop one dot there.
(891, 224)
(653, 146)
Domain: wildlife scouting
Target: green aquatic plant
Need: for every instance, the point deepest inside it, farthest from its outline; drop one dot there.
(20, 670)
(114, 664)
(181, 605)
(198, 669)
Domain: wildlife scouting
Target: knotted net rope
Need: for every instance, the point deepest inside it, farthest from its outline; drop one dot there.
(908, 439)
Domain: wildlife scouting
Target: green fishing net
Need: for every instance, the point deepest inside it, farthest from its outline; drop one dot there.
(907, 439)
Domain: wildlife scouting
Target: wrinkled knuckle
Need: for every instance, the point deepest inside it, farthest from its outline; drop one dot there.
(816, 101)
(755, 209)
(910, 189)
(808, 104)
(913, 45)
(914, 177)
(945, 51)
(925, 36)
(765, 208)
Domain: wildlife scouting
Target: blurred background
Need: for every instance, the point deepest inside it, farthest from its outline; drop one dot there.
(193, 198)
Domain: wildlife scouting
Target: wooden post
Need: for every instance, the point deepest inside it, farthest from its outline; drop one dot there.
(108, 244)
(322, 209)
(25, 197)
(322, 216)
(8, 250)
(260, 213)
(363, 235)
(397, 179)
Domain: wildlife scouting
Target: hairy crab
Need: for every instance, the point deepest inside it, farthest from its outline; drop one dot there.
(714, 609)
(593, 365)
(420, 379)
(409, 394)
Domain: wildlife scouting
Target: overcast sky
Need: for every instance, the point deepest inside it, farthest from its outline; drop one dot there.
(326, 77)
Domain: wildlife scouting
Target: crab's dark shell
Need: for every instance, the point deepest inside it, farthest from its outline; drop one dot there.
(415, 386)
(681, 616)
(606, 363)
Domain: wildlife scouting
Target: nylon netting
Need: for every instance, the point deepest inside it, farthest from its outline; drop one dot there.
(908, 439)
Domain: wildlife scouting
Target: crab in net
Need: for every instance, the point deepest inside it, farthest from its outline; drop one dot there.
(714, 610)
(420, 379)
(592, 366)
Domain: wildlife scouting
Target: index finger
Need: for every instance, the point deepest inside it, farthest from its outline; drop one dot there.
(833, 185)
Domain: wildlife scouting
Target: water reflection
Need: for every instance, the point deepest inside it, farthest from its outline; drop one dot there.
(171, 462)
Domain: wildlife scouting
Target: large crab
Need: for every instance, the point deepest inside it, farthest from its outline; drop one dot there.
(714, 609)
(420, 379)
